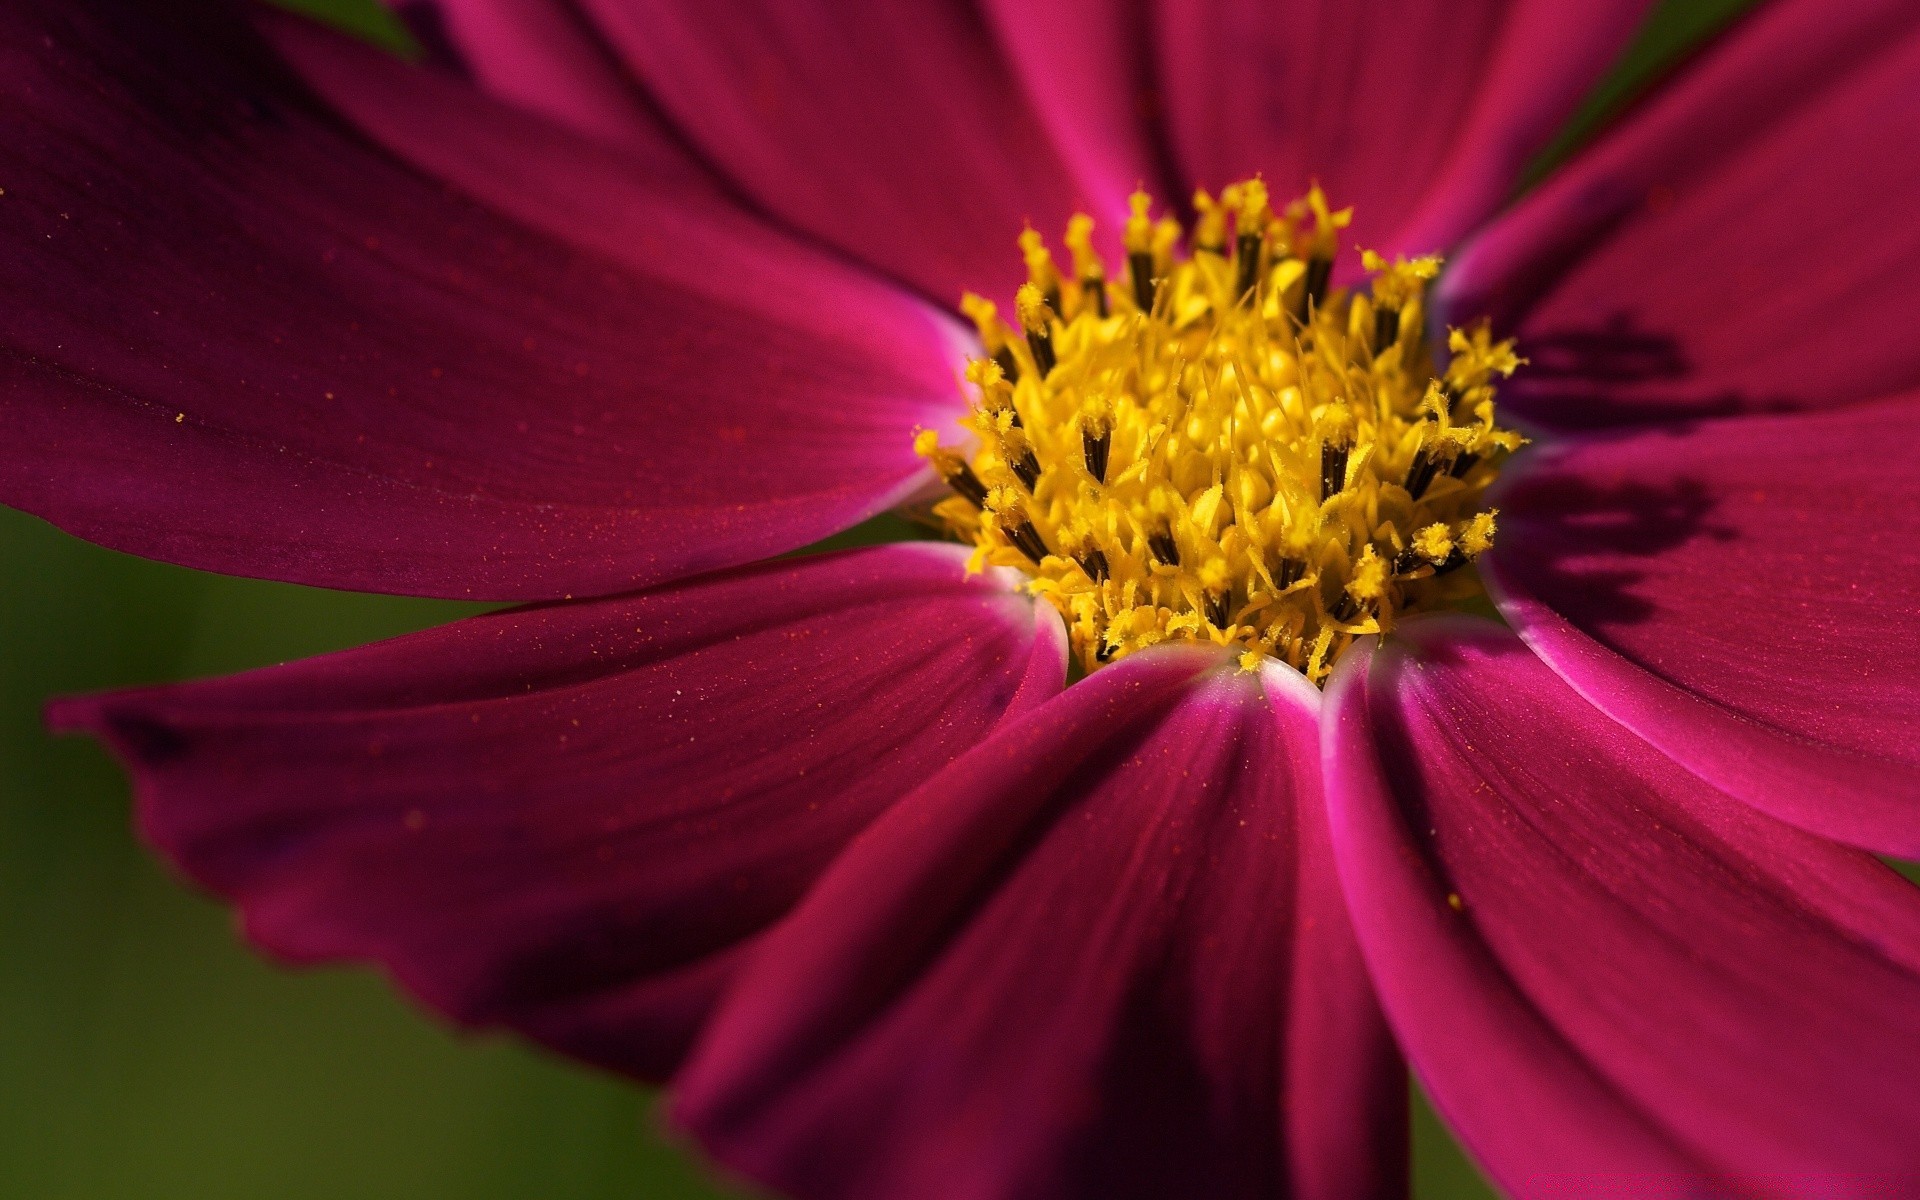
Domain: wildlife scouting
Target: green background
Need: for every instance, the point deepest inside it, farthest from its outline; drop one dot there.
(146, 1055)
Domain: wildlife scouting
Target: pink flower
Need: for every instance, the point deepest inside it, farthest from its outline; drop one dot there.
(823, 839)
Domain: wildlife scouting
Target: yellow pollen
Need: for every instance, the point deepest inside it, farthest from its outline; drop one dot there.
(1222, 447)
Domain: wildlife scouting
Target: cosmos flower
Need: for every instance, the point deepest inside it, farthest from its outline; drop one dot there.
(652, 296)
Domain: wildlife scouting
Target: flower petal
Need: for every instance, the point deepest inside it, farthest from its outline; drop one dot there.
(540, 55)
(1613, 979)
(1743, 242)
(1069, 966)
(1088, 65)
(894, 131)
(1742, 595)
(238, 337)
(571, 819)
(1422, 116)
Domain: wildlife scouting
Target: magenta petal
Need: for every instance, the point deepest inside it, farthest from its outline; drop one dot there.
(1613, 979)
(1422, 115)
(570, 819)
(1744, 241)
(1088, 65)
(1070, 965)
(894, 131)
(239, 337)
(541, 55)
(1741, 594)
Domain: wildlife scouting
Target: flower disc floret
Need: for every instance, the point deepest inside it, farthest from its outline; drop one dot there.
(1221, 446)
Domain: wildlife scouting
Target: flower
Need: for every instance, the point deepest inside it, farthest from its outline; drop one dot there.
(823, 839)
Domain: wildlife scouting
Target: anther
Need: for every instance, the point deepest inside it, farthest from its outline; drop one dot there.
(1291, 569)
(1463, 464)
(1333, 470)
(1216, 609)
(996, 391)
(1422, 469)
(1210, 229)
(1164, 548)
(1139, 236)
(1094, 563)
(993, 333)
(1313, 292)
(1036, 317)
(1247, 253)
(952, 468)
(965, 482)
(1041, 272)
(1087, 267)
(1026, 539)
(1146, 288)
(1027, 468)
(1386, 328)
(1095, 447)
(1008, 364)
(1251, 228)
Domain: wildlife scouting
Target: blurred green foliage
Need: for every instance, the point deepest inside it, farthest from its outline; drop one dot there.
(146, 1055)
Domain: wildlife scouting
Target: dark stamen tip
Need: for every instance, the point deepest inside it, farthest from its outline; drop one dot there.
(1094, 563)
(1164, 548)
(1386, 328)
(1313, 292)
(1463, 464)
(1040, 341)
(1145, 287)
(1333, 470)
(1028, 470)
(1026, 539)
(968, 485)
(1096, 291)
(1421, 472)
(1095, 447)
(1247, 252)
(1009, 365)
(1217, 610)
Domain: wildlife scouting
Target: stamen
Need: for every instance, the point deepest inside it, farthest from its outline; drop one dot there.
(1036, 317)
(1333, 470)
(1087, 267)
(1386, 328)
(1041, 272)
(952, 468)
(1271, 463)
(1251, 235)
(1095, 447)
(1019, 454)
(1313, 293)
(1140, 256)
(1009, 515)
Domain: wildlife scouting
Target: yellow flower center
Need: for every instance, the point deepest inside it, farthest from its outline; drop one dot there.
(1224, 447)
